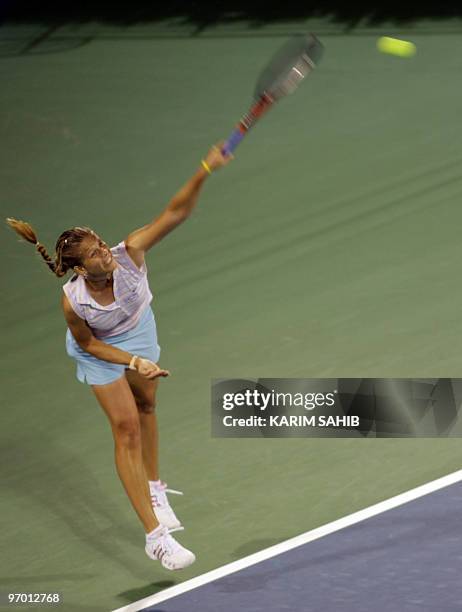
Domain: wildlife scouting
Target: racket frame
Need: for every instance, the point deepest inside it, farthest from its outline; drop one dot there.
(257, 110)
(265, 98)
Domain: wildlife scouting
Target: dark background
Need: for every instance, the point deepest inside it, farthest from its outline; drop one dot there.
(205, 14)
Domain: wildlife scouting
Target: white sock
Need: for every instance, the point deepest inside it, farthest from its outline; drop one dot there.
(153, 484)
(155, 532)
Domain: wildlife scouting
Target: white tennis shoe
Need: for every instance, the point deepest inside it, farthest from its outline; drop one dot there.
(161, 507)
(160, 545)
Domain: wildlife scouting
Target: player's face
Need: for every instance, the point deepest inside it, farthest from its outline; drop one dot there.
(96, 256)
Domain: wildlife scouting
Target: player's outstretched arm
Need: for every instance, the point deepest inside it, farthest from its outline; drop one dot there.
(180, 206)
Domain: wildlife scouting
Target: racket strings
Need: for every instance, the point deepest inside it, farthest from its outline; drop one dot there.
(296, 74)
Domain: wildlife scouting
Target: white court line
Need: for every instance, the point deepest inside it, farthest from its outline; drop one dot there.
(299, 540)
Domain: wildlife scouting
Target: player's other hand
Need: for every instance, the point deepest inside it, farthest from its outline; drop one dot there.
(215, 158)
(149, 369)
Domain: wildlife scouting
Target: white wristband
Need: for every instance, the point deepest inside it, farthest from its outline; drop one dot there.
(132, 362)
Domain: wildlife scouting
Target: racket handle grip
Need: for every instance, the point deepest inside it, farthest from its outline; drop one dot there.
(232, 142)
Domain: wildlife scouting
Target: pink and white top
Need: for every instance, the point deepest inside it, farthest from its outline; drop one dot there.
(131, 292)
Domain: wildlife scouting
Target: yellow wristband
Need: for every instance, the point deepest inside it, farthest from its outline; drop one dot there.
(206, 166)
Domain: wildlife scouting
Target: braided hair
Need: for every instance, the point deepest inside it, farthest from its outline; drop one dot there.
(67, 246)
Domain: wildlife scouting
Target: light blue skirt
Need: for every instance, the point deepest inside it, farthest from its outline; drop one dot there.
(141, 340)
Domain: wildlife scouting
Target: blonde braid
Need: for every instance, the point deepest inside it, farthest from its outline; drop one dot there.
(59, 268)
(68, 246)
(26, 231)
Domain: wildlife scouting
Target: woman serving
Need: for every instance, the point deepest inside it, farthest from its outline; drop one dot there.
(112, 337)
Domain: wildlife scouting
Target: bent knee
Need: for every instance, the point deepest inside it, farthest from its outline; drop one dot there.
(145, 406)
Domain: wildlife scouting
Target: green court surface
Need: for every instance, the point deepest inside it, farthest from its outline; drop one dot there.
(330, 247)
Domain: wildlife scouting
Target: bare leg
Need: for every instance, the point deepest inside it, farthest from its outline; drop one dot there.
(144, 392)
(118, 403)
(150, 443)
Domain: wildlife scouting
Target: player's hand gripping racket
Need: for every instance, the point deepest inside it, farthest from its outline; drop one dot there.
(284, 73)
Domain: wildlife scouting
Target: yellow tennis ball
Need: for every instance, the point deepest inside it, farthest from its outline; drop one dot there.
(394, 46)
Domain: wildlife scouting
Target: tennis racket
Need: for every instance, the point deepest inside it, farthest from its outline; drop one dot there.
(281, 77)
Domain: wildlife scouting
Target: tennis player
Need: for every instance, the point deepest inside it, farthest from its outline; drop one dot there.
(112, 337)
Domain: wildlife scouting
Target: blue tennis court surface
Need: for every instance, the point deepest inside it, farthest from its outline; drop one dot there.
(408, 558)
